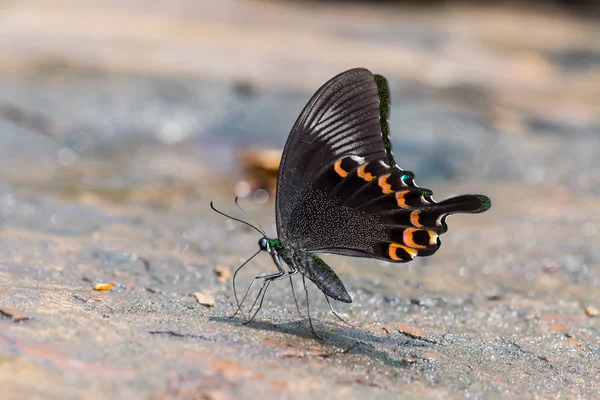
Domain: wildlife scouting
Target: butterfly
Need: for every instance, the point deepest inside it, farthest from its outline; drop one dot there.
(340, 191)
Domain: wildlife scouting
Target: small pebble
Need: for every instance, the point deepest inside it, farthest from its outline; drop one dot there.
(592, 311)
(550, 266)
(223, 274)
(207, 300)
(215, 395)
(101, 287)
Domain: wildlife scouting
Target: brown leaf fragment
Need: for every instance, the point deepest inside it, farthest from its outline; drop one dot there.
(274, 342)
(312, 353)
(279, 385)
(215, 395)
(573, 341)
(233, 370)
(58, 360)
(363, 380)
(408, 330)
(434, 355)
(294, 354)
(14, 315)
(205, 299)
(180, 335)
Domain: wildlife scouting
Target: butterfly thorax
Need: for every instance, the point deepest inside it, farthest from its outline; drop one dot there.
(312, 266)
(275, 243)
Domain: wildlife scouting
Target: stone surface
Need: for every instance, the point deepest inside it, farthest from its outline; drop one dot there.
(120, 121)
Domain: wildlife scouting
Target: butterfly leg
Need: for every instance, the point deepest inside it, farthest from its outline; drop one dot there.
(261, 295)
(265, 278)
(293, 271)
(280, 272)
(295, 299)
(336, 314)
(234, 289)
(308, 309)
(263, 291)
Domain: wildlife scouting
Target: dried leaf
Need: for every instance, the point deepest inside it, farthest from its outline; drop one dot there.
(15, 315)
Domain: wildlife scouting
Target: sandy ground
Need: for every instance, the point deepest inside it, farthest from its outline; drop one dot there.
(120, 122)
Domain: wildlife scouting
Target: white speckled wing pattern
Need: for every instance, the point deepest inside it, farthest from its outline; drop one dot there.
(341, 119)
(369, 209)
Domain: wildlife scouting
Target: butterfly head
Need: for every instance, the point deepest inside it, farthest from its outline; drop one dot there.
(263, 243)
(269, 245)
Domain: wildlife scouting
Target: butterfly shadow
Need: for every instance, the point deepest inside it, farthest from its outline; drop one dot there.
(337, 339)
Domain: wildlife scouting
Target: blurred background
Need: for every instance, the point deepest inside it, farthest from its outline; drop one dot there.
(118, 98)
(121, 120)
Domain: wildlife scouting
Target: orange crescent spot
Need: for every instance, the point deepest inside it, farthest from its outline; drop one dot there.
(365, 175)
(432, 237)
(401, 201)
(385, 187)
(337, 167)
(394, 246)
(407, 238)
(414, 217)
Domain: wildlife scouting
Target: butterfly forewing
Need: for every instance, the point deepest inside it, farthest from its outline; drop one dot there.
(341, 119)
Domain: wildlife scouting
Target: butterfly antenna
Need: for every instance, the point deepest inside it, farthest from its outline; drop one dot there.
(236, 219)
(249, 217)
(234, 290)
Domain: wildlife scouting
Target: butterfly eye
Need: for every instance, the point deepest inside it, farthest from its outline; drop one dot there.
(263, 244)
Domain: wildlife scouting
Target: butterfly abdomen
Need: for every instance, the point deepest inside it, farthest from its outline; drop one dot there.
(324, 277)
(317, 271)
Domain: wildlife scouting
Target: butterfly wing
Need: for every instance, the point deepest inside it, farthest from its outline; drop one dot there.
(339, 188)
(370, 209)
(342, 118)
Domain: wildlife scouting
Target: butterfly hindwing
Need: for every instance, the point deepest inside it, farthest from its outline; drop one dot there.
(369, 209)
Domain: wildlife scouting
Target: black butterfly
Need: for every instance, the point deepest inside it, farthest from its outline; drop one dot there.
(340, 191)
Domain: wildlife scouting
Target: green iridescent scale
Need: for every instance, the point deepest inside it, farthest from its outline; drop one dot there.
(276, 243)
(325, 267)
(384, 115)
(486, 203)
